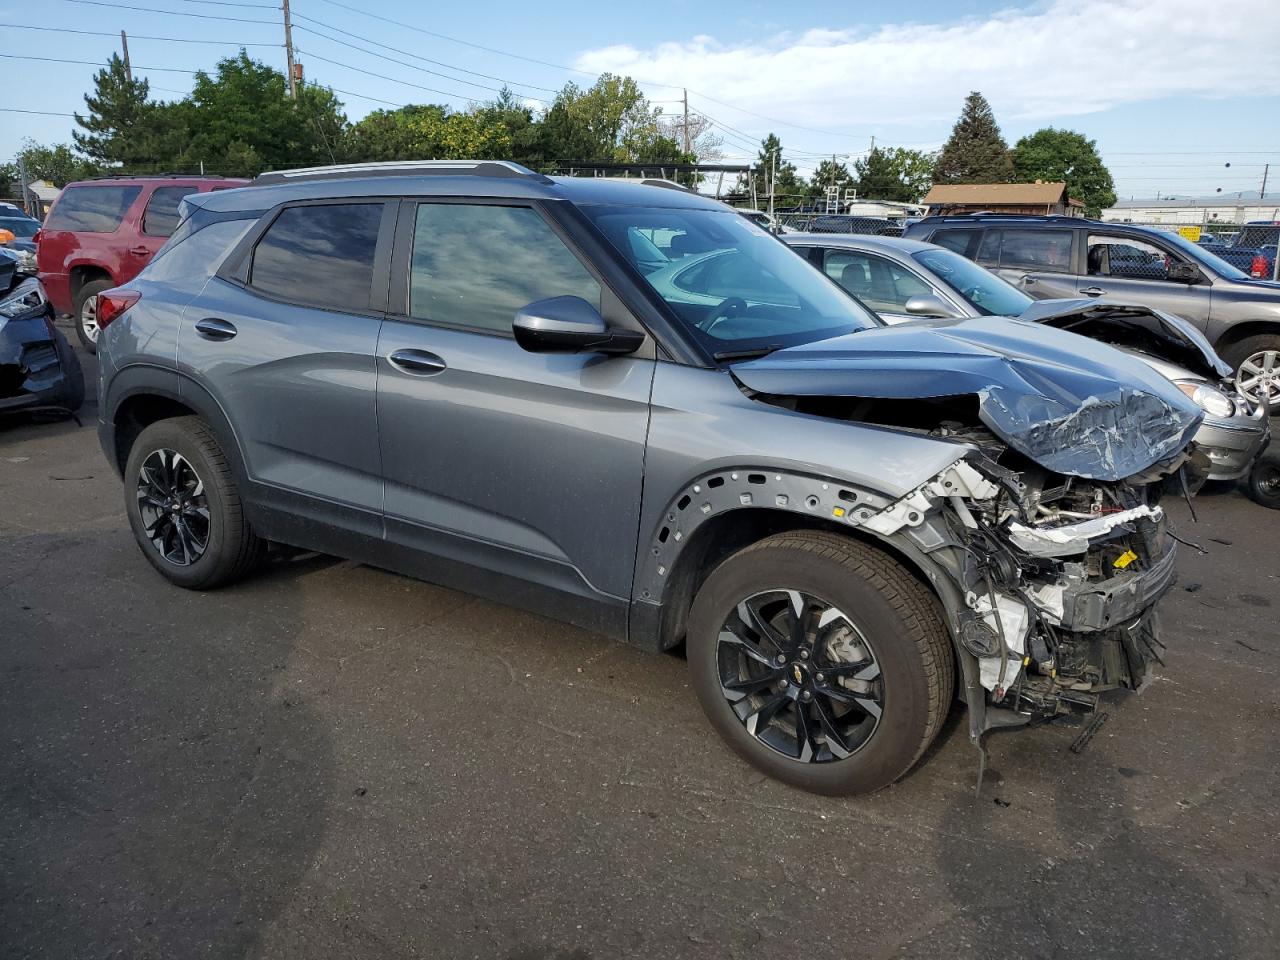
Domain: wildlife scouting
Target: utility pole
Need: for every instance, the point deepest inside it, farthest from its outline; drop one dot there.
(128, 70)
(773, 177)
(688, 146)
(26, 191)
(1262, 194)
(288, 50)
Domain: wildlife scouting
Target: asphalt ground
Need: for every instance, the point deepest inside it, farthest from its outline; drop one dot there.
(333, 761)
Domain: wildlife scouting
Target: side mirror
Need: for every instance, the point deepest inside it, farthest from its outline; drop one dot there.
(1181, 272)
(570, 325)
(929, 305)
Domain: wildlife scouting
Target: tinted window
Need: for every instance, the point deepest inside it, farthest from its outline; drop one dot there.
(320, 255)
(161, 215)
(880, 284)
(1036, 249)
(20, 226)
(475, 265)
(982, 289)
(958, 241)
(96, 209)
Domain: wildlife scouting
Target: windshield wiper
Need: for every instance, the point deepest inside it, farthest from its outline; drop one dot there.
(750, 353)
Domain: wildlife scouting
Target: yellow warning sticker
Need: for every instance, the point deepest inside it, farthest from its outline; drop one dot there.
(1125, 559)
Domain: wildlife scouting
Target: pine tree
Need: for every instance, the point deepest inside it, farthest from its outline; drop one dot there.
(119, 109)
(773, 172)
(976, 152)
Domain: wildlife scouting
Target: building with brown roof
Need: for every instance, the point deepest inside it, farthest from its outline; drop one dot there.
(1035, 198)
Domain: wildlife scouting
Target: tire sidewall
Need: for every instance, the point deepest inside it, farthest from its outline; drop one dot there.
(171, 436)
(91, 289)
(903, 725)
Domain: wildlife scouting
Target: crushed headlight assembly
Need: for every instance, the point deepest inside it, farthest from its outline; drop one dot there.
(1209, 398)
(28, 300)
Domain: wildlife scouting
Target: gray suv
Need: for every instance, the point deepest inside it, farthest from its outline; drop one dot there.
(493, 380)
(1056, 257)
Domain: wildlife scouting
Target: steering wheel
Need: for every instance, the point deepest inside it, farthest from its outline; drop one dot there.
(726, 308)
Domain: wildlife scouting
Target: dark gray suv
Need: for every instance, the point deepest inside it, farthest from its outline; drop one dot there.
(494, 380)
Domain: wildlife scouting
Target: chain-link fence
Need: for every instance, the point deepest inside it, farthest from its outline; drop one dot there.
(839, 223)
(1249, 247)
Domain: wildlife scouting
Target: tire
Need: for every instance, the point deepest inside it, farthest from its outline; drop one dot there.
(185, 447)
(1262, 353)
(891, 629)
(87, 300)
(72, 372)
(1264, 480)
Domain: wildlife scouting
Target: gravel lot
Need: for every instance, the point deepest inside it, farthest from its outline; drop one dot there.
(333, 761)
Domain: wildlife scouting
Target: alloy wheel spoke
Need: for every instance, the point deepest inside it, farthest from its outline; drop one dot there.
(804, 732)
(760, 718)
(750, 617)
(749, 647)
(835, 739)
(735, 690)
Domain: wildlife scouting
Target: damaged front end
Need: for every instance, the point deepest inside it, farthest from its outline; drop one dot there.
(1047, 529)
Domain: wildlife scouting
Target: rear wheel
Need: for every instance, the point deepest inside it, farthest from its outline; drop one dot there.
(184, 507)
(1256, 361)
(85, 311)
(821, 661)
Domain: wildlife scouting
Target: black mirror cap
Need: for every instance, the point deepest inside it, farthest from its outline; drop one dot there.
(570, 325)
(1181, 272)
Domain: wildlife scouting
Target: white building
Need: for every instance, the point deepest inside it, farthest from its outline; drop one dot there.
(1193, 211)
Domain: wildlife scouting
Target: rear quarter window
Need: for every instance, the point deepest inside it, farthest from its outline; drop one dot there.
(161, 216)
(962, 242)
(92, 209)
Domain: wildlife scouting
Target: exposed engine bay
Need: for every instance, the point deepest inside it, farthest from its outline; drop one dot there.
(1059, 574)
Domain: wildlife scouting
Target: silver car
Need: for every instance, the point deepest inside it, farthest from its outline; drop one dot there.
(904, 279)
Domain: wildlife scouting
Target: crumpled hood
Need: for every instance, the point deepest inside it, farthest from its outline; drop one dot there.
(1073, 405)
(1170, 338)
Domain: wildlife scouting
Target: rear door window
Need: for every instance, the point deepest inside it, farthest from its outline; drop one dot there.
(161, 216)
(92, 209)
(319, 255)
(957, 241)
(1038, 250)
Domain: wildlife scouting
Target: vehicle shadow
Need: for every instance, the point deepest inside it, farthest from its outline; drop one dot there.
(163, 789)
(1111, 894)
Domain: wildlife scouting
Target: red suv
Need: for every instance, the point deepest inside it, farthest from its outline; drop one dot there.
(101, 233)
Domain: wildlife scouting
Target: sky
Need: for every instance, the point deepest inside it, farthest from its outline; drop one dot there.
(1182, 96)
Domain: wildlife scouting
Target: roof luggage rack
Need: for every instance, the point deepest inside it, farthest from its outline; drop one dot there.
(404, 168)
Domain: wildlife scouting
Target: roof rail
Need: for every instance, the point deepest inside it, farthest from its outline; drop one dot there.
(643, 181)
(404, 168)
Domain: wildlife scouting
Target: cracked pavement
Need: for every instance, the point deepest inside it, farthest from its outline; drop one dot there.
(330, 760)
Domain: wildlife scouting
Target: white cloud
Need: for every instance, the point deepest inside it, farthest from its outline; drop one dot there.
(1058, 58)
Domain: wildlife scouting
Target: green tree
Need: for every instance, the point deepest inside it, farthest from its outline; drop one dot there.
(775, 174)
(1065, 155)
(58, 164)
(914, 168)
(242, 121)
(879, 177)
(389, 134)
(120, 123)
(976, 152)
(611, 121)
(829, 173)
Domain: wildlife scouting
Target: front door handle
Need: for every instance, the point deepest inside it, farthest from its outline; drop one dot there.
(214, 328)
(1093, 291)
(139, 251)
(420, 363)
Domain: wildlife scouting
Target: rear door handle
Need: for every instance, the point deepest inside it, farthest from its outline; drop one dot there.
(139, 251)
(214, 328)
(420, 363)
(1093, 292)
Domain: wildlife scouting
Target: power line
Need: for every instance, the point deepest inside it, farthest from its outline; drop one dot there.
(438, 63)
(43, 113)
(226, 3)
(137, 36)
(171, 13)
(380, 76)
(411, 66)
(89, 63)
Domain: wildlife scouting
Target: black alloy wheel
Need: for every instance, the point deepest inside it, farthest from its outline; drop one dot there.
(800, 676)
(173, 507)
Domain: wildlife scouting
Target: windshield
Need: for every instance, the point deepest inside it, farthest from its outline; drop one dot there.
(20, 226)
(1198, 254)
(737, 287)
(980, 288)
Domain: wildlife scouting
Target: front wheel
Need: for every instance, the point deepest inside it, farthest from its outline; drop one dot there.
(820, 661)
(1256, 362)
(184, 507)
(1264, 480)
